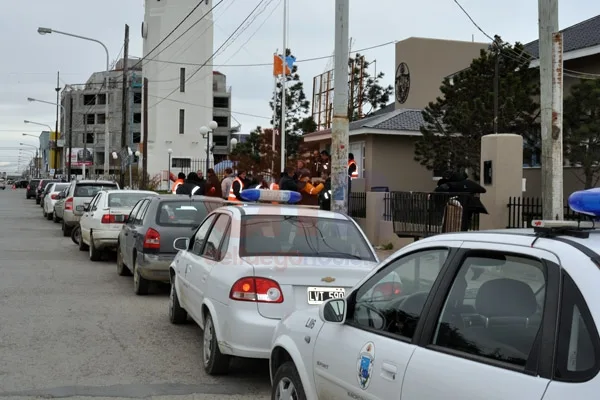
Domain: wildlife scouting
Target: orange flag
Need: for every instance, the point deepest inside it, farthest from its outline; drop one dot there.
(278, 66)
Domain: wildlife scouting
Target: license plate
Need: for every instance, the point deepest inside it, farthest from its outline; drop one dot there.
(79, 208)
(317, 295)
(119, 218)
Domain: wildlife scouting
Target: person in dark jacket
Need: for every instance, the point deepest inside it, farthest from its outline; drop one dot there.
(191, 186)
(213, 186)
(325, 194)
(287, 180)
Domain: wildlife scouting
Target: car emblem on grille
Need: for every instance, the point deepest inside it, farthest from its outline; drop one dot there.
(328, 279)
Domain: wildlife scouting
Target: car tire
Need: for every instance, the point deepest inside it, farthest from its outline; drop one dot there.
(37, 201)
(122, 269)
(66, 231)
(215, 362)
(287, 383)
(44, 213)
(95, 253)
(177, 315)
(77, 234)
(140, 285)
(55, 218)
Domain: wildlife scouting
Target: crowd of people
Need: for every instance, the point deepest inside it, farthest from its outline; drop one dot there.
(313, 184)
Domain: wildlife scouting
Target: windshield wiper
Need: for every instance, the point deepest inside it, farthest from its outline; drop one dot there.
(338, 253)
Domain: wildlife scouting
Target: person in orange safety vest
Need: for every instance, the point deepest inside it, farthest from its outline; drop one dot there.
(180, 180)
(237, 186)
(352, 169)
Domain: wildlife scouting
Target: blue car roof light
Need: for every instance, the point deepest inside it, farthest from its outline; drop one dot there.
(586, 202)
(281, 196)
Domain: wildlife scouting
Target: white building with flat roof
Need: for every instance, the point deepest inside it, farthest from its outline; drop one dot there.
(180, 94)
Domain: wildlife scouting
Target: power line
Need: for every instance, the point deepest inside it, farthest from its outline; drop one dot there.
(270, 64)
(211, 57)
(519, 56)
(200, 105)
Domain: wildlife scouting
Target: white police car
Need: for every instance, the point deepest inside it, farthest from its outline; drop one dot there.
(507, 314)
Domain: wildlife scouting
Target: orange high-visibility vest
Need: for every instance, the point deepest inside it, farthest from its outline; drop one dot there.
(231, 196)
(354, 174)
(177, 183)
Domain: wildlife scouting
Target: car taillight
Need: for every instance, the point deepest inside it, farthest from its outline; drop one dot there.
(260, 290)
(28, 187)
(69, 204)
(152, 239)
(113, 219)
(54, 196)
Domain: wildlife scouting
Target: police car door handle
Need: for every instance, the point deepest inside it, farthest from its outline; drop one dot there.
(389, 370)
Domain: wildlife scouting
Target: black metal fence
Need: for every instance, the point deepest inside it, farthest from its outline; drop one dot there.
(523, 210)
(357, 205)
(422, 214)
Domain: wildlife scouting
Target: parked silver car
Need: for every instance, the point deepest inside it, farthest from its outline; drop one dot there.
(79, 195)
(145, 244)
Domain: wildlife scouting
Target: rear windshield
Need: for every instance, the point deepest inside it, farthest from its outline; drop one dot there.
(90, 189)
(302, 236)
(126, 199)
(60, 187)
(181, 213)
(34, 183)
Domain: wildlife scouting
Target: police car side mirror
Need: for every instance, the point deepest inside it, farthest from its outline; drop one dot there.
(333, 311)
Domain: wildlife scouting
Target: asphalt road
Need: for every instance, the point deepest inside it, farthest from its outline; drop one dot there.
(70, 328)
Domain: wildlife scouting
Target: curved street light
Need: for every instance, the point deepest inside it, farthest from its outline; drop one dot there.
(45, 31)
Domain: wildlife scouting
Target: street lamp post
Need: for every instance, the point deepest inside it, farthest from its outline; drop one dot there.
(50, 130)
(114, 157)
(206, 133)
(170, 151)
(64, 112)
(138, 154)
(36, 156)
(37, 137)
(44, 31)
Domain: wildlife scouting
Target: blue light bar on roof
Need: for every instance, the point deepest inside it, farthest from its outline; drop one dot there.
(281, 196)
(586, 202)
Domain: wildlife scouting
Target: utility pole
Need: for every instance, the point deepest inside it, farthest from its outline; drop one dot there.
(85, 133)
(551, 87)
(340, 125)
(56, 126)
(70, 132)
(124, 118)
(145, 134)
(496, 46)
(282, 129)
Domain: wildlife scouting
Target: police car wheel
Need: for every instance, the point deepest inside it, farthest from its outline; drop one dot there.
(287, 384)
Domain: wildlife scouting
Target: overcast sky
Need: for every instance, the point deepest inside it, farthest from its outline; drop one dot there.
(30, 61)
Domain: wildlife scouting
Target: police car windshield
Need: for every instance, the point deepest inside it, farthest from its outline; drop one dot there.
(302, 236)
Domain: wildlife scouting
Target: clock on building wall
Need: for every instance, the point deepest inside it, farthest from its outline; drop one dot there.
(402, 82)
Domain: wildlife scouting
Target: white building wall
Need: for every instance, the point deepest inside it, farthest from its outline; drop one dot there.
(196, 46)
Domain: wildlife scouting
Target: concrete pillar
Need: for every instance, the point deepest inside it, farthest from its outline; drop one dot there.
(501, 175)
(374, 217)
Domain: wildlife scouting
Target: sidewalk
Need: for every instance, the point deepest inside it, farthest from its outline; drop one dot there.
(383, 254)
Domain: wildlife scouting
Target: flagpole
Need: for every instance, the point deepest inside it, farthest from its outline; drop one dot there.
(274, 175)
(283, 85)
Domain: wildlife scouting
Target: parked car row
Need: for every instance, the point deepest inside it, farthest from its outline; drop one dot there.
(303, 288)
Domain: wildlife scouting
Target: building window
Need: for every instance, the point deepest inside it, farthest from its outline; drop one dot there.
(220, 141)
(221, 102)
(89, 119)
(222, 121)
(181, 163)
(100, 118)
(137, 118)
(215, 86)
(101, 99)
(137, 97)
(89, 99)
(137, 137)
(182, 80)
(89, 138)
(181, 121)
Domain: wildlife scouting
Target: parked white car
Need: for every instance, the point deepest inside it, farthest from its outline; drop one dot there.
(52, 197)
(500, 315)
(103, 219)
(247, 267)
